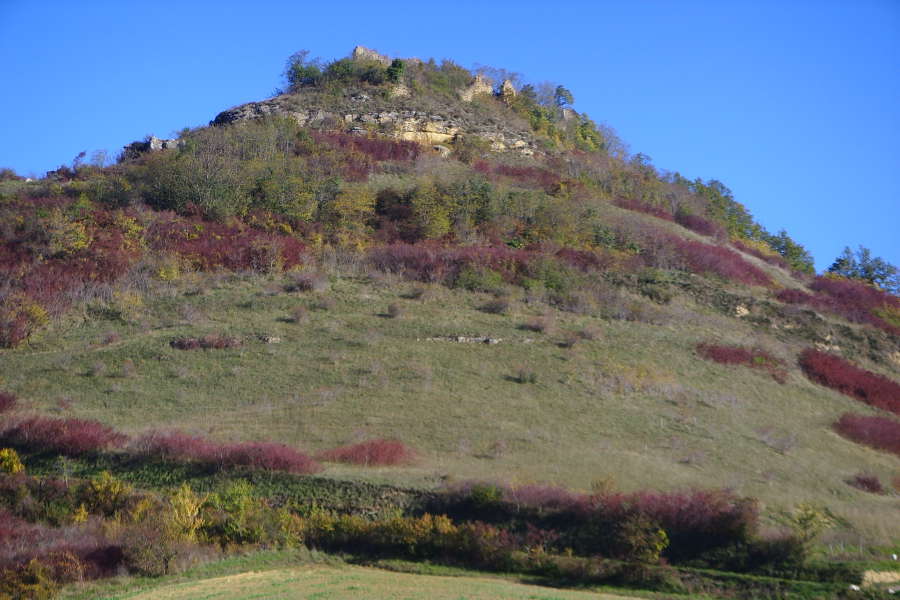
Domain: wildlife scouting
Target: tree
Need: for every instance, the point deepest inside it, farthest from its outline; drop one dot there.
(862, 265)
(300, 71)
(563, 97)
(395, 71)
(795, 254)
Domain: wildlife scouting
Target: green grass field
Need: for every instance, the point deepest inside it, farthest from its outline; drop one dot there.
(294, 575)
(635, 405)
(339, 583)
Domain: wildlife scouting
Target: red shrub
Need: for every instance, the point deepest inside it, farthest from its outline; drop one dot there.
(547, 180)
(794, 296)
(73, 437)
(270, 456)
(772, 259)
(755, 358)
(207, 342)
(838, 374)
(694, 520)
(866, 483)
(175, 445)
(854, 300)
(209, 245)
(435, 263)
(699, 224)
(638, 206)
(704, 258)
(7, 402)
(372, 453)
(881, 433)
(378, 148)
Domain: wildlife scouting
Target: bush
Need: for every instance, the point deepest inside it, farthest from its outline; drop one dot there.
(207, 342)
(497, 306)
(270, 456)
(876, 432)
(72, 437)
(30, 582)
(851, 299)
(838, 374)
(7, 402)
(381, 452)
(755, 358)
(866, 483)
(306, 282)
(104, 494)
(698, 224)
(10, 462)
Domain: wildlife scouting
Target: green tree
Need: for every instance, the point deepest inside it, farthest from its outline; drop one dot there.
(563, 97)
(300, 71)
(872, 269)
(795, 254)
(395, 71)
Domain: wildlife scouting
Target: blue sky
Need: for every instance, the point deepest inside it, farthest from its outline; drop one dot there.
(795, 105)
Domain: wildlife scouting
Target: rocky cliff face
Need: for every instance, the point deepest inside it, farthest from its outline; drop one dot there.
(420, 126)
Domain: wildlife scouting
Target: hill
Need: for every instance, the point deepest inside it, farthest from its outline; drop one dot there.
(400, 251)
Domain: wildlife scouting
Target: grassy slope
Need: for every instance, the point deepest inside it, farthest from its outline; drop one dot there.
(636, 404)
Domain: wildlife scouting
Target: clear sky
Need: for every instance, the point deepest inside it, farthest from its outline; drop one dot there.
(793, 104)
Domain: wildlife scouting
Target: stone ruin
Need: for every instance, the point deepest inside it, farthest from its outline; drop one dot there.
(479, 85)
(363, 53)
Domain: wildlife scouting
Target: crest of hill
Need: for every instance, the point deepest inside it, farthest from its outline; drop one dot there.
(421, 105)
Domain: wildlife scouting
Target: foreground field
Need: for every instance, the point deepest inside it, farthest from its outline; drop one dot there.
(324, 583)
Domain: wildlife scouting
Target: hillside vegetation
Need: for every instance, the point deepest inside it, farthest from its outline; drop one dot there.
(551, 358)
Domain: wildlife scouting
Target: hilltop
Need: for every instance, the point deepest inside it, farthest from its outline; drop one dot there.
(406, 276)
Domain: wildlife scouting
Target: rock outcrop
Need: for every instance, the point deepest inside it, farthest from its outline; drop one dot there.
(363, 53)
(405, 124)
(151, 144)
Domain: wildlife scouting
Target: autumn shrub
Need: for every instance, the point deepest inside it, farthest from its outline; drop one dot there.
(32, 581)
(698, 224)
(702, 258)
(838, 374)
(178, 446)
(72, 437)
(372, 453)
(755, 358)
(104, 494)
(8, 402)
(866, 482)
(10, 462)
(206, 342)
(659, 213)
(881, 433)
(851, 299)
(269, 456)
(378, 148)
(762, 252)
(695, 522)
